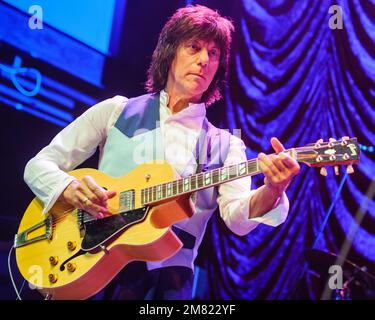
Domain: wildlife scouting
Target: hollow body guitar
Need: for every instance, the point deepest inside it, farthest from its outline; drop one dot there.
(67, 254)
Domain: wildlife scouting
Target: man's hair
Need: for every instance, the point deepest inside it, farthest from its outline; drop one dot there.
(191, 22)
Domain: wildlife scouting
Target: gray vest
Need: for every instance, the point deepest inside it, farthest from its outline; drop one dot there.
(135, 139)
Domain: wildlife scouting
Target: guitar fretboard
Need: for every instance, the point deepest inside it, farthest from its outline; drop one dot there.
(198, 181)
(316, 154)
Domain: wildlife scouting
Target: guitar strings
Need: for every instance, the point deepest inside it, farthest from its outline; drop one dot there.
(149, 192)
(175, 183)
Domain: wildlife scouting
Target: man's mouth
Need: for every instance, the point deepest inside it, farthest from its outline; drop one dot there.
(197, 75)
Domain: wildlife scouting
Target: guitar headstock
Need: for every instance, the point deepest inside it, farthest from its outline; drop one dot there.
(320, 154)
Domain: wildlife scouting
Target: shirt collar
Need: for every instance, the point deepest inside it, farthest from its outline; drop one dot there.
(193, 110)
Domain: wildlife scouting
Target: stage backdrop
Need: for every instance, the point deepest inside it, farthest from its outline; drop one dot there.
(297, 75)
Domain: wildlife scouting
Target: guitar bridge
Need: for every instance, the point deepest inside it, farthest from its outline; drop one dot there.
(22, 239)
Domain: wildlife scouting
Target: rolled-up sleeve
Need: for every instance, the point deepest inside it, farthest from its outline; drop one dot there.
(46, 173)
(234, 198)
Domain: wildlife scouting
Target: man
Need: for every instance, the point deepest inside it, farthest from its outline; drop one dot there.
(187, 70)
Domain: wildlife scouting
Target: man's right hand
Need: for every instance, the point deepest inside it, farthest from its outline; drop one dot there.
(88, 195)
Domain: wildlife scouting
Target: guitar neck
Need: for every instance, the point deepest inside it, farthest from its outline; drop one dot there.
(201, 181)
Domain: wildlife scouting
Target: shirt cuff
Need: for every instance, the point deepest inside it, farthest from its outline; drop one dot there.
(273, 218)
(276, 216)
(59, 190)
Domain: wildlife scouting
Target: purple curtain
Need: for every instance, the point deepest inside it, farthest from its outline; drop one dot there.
(294, 77)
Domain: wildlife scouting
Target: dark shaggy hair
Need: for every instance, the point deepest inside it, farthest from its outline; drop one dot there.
(191, 22)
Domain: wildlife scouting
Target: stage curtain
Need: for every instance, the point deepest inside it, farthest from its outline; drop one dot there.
(293, 77)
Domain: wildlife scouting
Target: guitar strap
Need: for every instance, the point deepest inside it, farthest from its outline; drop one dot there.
(203, 157)
(202, 154)
(203, 148)
(212, 148)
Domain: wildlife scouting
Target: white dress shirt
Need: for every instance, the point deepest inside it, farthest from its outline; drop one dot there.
(46, 173)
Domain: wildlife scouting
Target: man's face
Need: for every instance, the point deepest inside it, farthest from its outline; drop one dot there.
(193, 68)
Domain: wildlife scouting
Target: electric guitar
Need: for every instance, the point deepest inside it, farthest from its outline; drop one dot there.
(68, 254)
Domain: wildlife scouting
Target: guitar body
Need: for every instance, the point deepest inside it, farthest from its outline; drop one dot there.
(70, 255)
(49, 248)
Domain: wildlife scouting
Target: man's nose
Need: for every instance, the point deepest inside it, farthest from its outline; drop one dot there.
(203, 57)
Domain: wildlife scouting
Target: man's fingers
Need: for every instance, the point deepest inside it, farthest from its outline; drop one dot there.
(277, 145)
(267, 166)
(278, 168)
(95, 189)
(80, 194)
(111, 193)
(287, 160)
(273, 162)
(278, 162)
(84, 189)
(96, 210)
(84, 203)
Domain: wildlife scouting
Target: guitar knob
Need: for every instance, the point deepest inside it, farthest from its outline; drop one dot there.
(71, 245)
(54, 260)
(336, 169)
(323, 171)
(52, 278)
(71, 267)
(349, 169)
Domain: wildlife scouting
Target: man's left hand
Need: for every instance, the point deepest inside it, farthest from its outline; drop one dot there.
(279, 168)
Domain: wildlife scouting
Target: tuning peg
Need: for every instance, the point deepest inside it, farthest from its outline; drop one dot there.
(344, 140)
(323, 171)
(336, 169)
(349, 169)
(331, 142)
(318, 143)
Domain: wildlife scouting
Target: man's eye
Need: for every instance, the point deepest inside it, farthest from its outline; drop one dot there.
(194, 47)
(214, 54)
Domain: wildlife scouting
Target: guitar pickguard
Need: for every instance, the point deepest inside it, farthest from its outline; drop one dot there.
(99, 231)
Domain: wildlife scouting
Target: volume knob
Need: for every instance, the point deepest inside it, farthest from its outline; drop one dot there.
(71, 267)
(71, 245)
(52, 277)
(54, 260)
